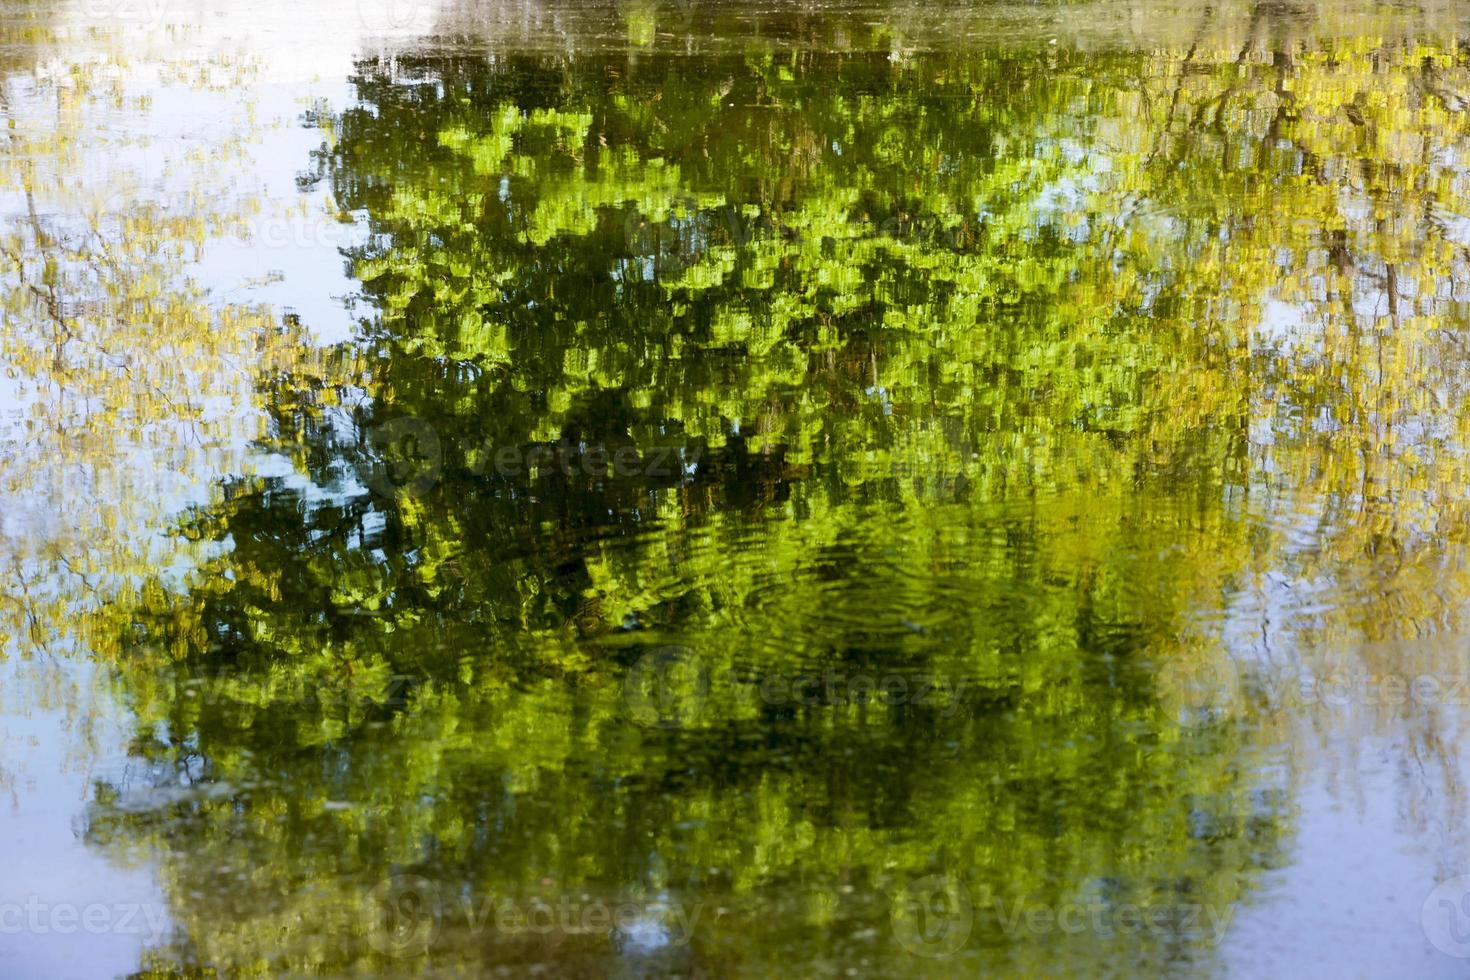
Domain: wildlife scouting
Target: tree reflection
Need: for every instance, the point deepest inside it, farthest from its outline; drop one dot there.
(1022, 369)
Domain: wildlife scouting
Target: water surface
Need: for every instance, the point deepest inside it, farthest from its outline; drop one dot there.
(689, 489)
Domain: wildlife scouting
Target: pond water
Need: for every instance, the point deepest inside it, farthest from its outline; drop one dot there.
(656, 488)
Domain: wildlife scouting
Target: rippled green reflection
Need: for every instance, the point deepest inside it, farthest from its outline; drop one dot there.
(813, 510)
